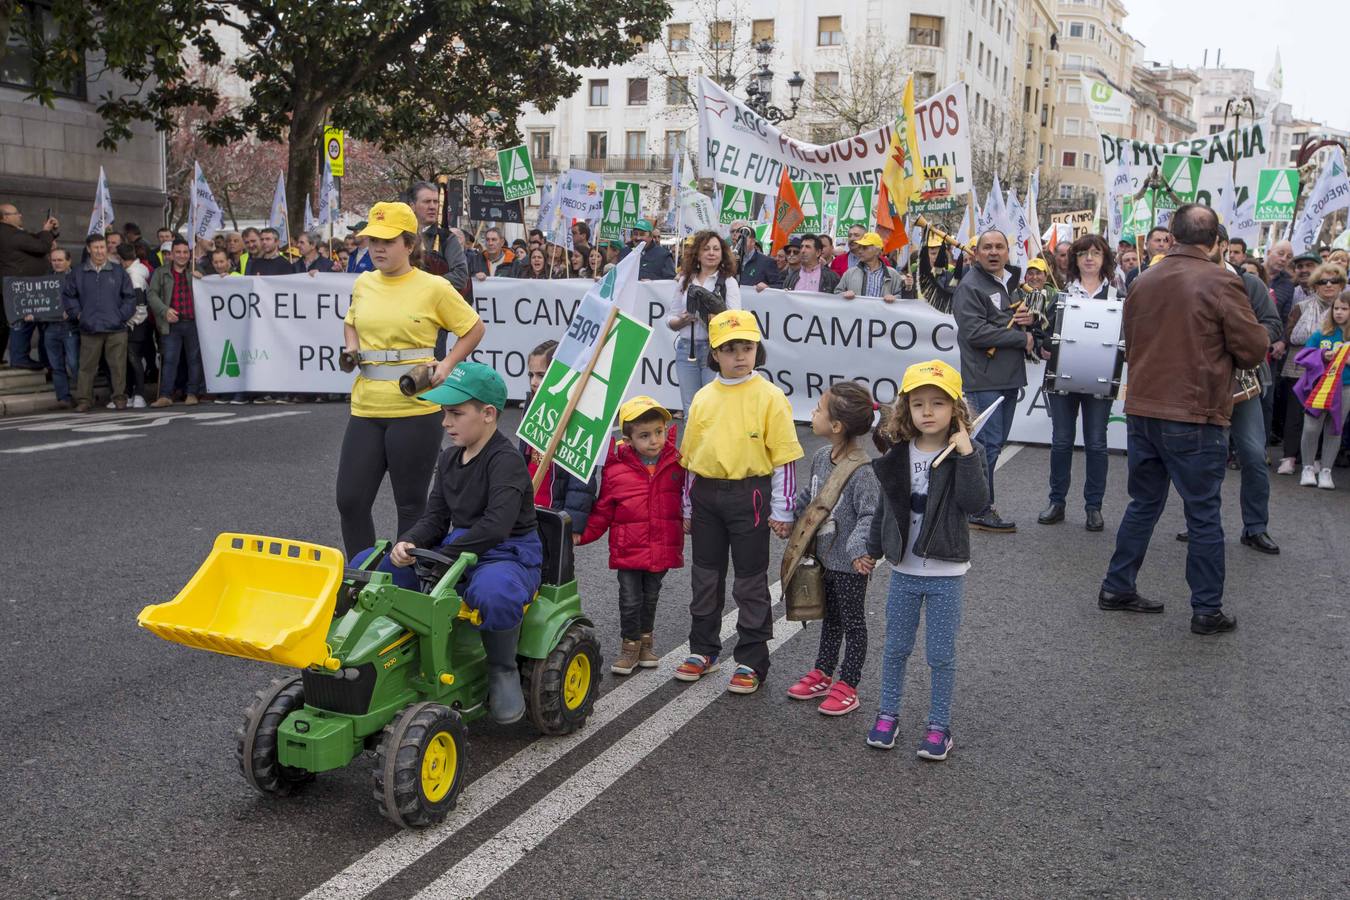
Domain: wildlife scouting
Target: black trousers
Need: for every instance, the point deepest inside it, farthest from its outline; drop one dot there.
(141, 357)
(638, 593)
(734, 515)
(845, 596)
(404, 447)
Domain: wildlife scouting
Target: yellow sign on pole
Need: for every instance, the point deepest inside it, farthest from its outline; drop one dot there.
(333, 140)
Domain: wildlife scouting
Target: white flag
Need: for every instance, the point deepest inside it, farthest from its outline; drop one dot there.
(102, 216)
(996, 211)
(280, 217)
(1106, 105)
(1243, 223)
(1330, 193)
(1224, 202)
(1275, 80)
(696, 212)
(327, 195)
(310, 224)
(1118, 187)
(205, 215)
(1034, 217)
(1021, 234)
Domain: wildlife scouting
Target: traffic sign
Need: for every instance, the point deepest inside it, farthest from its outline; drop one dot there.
(333, 146)
(1276, 191)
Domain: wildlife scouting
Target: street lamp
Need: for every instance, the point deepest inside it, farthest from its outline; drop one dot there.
(759, 92)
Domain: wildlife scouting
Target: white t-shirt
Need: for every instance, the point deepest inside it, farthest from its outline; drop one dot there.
(912, 564)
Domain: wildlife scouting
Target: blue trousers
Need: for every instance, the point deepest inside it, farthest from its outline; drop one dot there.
(505, 579)
(181, 340)
(941, 598)
(63, 354)
(20, 339)
(692, 375)
(1192, 458)
(1064, 412)
(995, 432)
(1249, 440)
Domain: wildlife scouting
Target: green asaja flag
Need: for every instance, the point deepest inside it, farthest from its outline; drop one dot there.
(736, 205)
(517, 172)
(854, 208)
(1276, 192)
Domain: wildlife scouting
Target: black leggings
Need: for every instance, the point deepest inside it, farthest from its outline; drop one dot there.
(845, 597)
(404, 447)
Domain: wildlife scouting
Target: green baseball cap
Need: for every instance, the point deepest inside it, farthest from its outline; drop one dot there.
(642, 225)
(469, 381)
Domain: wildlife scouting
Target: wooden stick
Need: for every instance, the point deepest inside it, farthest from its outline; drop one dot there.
(546, 462)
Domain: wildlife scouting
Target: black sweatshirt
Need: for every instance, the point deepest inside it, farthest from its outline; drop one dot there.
(490, 496)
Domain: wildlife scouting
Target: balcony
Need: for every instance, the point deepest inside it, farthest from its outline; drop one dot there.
(652, 163)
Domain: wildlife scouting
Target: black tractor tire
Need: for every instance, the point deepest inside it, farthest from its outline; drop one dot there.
(401, 788)
(545, 683)
(256, 739)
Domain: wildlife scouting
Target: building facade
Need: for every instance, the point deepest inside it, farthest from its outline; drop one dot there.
(51, 156)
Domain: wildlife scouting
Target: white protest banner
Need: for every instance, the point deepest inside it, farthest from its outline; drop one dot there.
(1106, 105)
(1250, 143)
(580, 196)
(1331, 192)
(740, 148)
(284, 333)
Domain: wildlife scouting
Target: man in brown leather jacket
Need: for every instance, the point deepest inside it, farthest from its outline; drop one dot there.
(1187, 325)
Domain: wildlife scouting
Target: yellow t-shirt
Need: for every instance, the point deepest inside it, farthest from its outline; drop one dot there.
(399, 314)
(739, 430)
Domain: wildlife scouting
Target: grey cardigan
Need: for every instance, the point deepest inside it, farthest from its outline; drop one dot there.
(838, 546)
(954, 492)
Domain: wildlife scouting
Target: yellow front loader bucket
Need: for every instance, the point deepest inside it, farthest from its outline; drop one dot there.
(257, 597)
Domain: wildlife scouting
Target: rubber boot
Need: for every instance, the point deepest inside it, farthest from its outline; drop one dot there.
(506, 702)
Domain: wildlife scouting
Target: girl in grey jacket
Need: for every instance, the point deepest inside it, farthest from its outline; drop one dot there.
(920, 528)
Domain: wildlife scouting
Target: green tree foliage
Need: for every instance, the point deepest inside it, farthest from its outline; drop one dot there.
(384, 70)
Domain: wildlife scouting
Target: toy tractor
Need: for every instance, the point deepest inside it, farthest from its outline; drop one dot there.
(382, 668)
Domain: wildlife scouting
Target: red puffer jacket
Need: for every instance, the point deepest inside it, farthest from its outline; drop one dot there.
(641, 511)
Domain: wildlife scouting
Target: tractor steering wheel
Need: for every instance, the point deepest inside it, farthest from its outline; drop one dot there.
(430, 567)
(431, 557)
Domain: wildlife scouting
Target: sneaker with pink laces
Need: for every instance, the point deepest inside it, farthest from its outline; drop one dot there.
(810, 686)
(842, 700)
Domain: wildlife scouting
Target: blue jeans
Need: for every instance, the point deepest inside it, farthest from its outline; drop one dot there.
(941, 598)
(1192, 458)
(63, 353)
(1249, 441)
(997, 429)
(692, 375)
(20, 339)
(181, 340)
(1064, 410)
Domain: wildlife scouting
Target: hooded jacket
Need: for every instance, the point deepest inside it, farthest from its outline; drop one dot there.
(641, 511)
(954, 492)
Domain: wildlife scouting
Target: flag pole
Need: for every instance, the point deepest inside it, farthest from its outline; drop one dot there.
(546, 461)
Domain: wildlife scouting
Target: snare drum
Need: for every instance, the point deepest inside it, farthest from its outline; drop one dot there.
(1087, 354)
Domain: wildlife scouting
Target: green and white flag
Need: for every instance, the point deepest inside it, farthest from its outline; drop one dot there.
(517, 172)
(1105, 104)
(630, 197)
(737, 204)
(1182, 175)
(611, 221)
(855, 208)
(811, 196)
(1276, 191)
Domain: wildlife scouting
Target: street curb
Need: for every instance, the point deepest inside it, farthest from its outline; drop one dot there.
(24, 404)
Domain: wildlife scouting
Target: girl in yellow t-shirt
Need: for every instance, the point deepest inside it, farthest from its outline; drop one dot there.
(391, 327)
(740, 448)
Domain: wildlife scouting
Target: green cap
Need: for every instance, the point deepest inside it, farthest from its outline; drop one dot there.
(642, 225)
(469, 381)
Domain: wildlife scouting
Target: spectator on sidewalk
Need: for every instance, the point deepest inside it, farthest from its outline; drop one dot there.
(269, 260)
(871, 277)
(99, 297)
(172, 301)
(22, 253)
(311, 260)
(62, 341)
(141, 340)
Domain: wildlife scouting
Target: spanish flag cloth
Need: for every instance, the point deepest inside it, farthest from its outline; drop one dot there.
(1323, 393)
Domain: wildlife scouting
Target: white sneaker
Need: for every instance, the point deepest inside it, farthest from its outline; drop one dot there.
(1288, 465)
(1324, 480)
(1309, 478)
(112, 405)
(138, 402)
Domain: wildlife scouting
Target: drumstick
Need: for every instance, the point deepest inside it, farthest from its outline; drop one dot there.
(975, 427)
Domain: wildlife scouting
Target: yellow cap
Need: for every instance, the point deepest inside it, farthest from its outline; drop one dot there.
(871, 239)
(638, 405)
(388, 220)
(1040, 265)
(934, 372)
(733, 325)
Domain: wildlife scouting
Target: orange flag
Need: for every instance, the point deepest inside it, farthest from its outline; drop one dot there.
(892, 231)
(787, 214)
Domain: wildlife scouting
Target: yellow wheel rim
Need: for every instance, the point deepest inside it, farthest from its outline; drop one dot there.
(577, 681)
(440, 761)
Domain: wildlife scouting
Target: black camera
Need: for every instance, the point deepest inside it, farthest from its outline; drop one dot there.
(701, 302)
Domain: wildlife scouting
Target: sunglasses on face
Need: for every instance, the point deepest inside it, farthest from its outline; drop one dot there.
(793, 252)
(1326, 281)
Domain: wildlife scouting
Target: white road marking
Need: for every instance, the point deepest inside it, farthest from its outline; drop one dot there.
(38, 448)
(9, 423)
(124, 422)
(275, 415)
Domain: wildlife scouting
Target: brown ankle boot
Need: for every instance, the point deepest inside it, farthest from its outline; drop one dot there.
(646, 657)
(628, 658)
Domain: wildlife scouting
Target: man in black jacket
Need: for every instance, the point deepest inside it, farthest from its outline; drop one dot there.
(22, 254)
(98, 295)
(657, 262)
(755, 266)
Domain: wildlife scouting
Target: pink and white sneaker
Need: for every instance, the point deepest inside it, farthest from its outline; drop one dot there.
(810, 686)
(842, 700)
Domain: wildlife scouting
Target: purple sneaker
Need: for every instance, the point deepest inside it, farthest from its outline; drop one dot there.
(882, 735)
(936, 744)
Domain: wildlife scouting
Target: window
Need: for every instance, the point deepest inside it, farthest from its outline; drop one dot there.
(677, 90)
(1026, 99)
(541, 145)
(719, 35)
(1069, 159)
(675, 143)
(17, 66)
(1075, 29)
(637, 92)
(979, 60)
(1073, 93)
(1073, 61)
(827, 83)
(599, 95)
(635, 144)
(1071, 127)
(830, 31)
(1215, 129)
(925, 85)
(925, 31)
(1087, 160)
(761, 30)
(970, 43)
(677, 36)
(1045, 116)
(1066, 192)
(597, 144)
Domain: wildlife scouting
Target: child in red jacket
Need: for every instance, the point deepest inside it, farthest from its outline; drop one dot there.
(640, 505)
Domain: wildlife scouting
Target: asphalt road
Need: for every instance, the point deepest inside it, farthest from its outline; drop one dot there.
(1096, 754)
